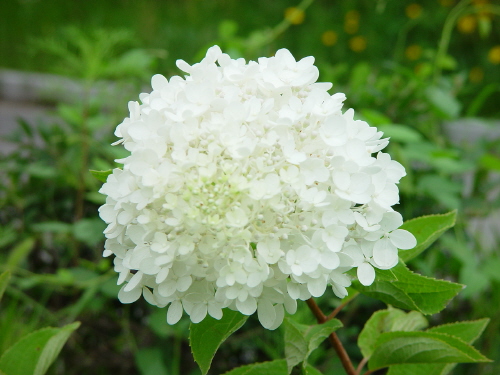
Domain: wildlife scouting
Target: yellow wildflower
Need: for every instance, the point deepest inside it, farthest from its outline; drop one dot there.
(413, 11)
(467, 24)
(329, 38)
(413, 52)
(351, 23)
(494, 55)
(294, 15)
(357, 43)
(447, 3)
(476, 74)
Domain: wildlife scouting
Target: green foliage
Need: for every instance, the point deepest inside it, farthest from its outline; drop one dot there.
(277, 367)
(206, 336)
(412, 291)
(393, 348)
(4, 281)
(426, 230)
(34, 353)
(301, 340)
(150, 361)
(101, 175)
(387, 321)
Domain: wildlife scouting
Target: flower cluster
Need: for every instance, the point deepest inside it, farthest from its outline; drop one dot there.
(247, 188)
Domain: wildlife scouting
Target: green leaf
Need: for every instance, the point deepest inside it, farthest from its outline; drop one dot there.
(443, 102)
(421, 347)
(301, 339)
(150, 361)
(412, 291)
(442, 189)
(310, 370)
(400, 133)
(89, 231)
(467, 331)
(101, 175)
(277, 367)
(4, 281)
(20, 252)
(387, 321)
(206, 337)
(426, 230)
(34, 353)
(41, 170)
(53, 226)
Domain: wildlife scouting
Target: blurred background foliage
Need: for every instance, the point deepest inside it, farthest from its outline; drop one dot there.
(426, 72)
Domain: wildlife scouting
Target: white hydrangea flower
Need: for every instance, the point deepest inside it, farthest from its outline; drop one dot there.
(247, 188)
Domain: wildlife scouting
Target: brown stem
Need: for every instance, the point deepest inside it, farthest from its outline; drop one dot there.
(336, 311)
(361, 365)
(337, 345)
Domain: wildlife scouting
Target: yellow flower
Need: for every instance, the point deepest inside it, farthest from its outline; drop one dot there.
(351, 23)
(294, 15)
(413, 52)
(467, 24)
(413, 11)
(357, 43)
(446, 3)
(494, 55)
(476, 74)
(329, 38)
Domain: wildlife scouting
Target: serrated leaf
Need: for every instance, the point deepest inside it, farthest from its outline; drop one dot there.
(34, 353)
(101, 175)
(206, 337)
(467, 331)
(412, 321)
(295, 344)
(421, 347)
(412, 291)
(426, 230)
(277, 367)
(387, 321)
(4, 281)
(301, 339)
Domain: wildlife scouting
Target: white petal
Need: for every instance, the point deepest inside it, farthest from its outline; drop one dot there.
(366, 274)
(330, 260)
(198, 312)
(148, 296)
(403, 239)
(317, 287)
(247, 307)
(174, 313)
(266, 313)
(184, 283)
(385, 253)
(129, 296)
(290, 305)
(134, 281)
(293, 290)
(215, 311)
(280, 314)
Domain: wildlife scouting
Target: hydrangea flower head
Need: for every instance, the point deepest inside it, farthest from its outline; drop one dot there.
(248, 188)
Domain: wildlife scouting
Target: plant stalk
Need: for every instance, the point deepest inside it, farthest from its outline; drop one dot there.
(336, 343)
